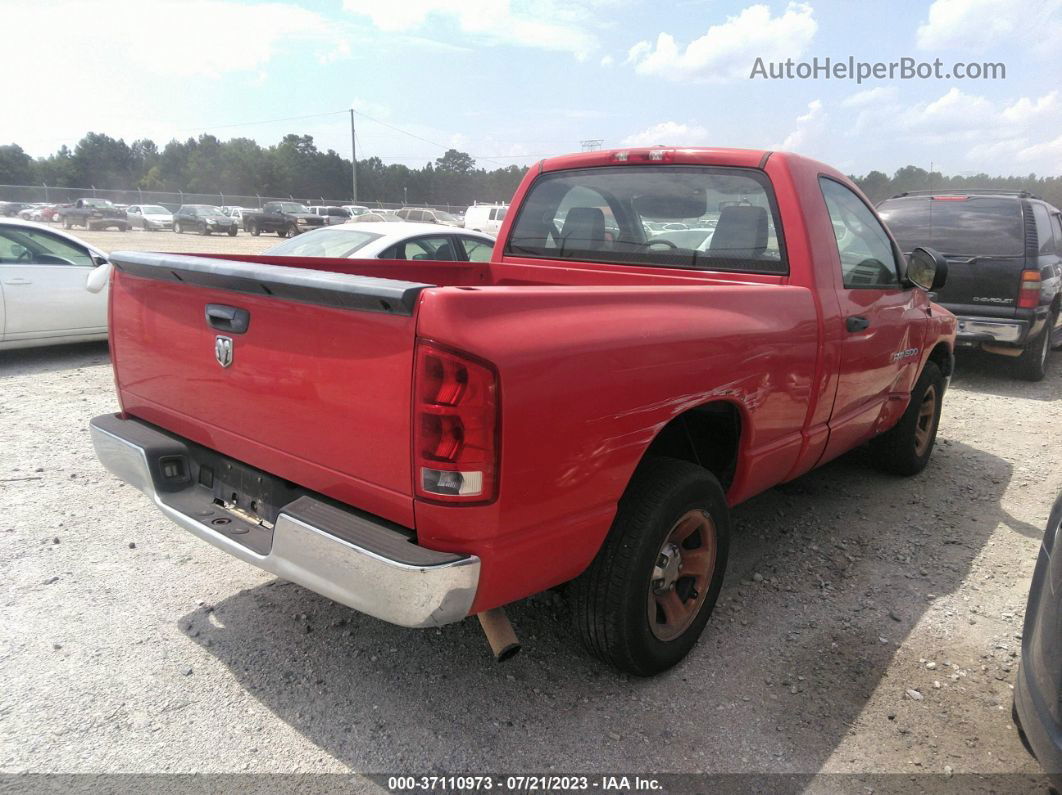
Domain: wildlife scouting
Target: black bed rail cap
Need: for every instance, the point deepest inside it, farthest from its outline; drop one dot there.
(324, 288)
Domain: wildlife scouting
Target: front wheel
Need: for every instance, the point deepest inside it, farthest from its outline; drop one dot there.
(645, 599)
(232, 231)
(1032, 364)
(254, 230)
(905, 448)
(177, 229)
(205, 230)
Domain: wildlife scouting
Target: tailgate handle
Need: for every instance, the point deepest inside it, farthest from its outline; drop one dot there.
(227, 318)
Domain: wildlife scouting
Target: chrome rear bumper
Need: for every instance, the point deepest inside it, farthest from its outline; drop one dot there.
(979, 329)
(346, 556)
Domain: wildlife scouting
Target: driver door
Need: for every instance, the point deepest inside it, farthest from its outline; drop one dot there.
(883, 323)
(43, 277)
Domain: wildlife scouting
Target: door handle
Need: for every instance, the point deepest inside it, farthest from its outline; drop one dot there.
(17, 281)
(227, 318)
(856, 323)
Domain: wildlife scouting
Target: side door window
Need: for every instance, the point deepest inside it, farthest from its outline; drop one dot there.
(868, 259)
(1056, 226)
(34, 247)
(1043, 230)
(477, 250)
(439, 248)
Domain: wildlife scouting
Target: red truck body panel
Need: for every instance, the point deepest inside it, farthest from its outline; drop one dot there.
(593, 360)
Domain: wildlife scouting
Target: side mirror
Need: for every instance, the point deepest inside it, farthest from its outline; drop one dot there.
(926, 269)
(98, 276)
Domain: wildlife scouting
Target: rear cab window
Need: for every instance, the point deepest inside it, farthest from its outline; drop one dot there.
(691, 217)
(957, 226)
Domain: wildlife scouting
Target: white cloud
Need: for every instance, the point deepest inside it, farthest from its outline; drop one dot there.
(977, 25)
(959, 131)
(870, 96)
(728, 50)
(808, 132)
(607, 61)
(1026, 110)
(668, 133)
(114, 71)
(546, 24)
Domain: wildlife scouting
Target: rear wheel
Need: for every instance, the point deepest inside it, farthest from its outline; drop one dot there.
(645, 599)
(1032, 364)
(905, 448)
(254, 230)
(232, 231)
(205, 230)
(177, 229)
(67, 224)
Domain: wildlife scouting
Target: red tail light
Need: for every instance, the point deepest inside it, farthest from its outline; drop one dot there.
(1029, 296)
(455, 426)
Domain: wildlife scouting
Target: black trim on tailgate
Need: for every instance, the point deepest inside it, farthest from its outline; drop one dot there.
(337, 290)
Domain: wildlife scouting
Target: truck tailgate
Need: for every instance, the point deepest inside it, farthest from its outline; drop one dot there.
(316, 390)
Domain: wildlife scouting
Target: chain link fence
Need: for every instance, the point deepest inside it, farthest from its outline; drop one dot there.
(171, 201)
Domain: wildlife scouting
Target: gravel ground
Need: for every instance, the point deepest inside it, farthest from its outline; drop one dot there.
(868, 624)
(139, 240)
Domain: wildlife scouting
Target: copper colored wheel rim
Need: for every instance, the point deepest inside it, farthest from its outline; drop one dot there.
(682, 575)
(927, 413)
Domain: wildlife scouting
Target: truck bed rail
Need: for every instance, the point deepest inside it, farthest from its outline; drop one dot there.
(336, 290)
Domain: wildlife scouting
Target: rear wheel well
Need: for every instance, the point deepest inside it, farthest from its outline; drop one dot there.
(942, 358)
(707, 435)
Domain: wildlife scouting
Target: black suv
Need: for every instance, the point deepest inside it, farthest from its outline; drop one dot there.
(1004, 252)
(204, 219)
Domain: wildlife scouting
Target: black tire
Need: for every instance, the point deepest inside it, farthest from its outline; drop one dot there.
(254, 230)
(67, 224)
(1032, 364)
(232, 231)
(205, 230)
(177, 230)
(614, 599)
(905, 448)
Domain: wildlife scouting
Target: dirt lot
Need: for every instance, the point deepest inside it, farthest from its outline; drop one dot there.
(868, 624)
(139, 240)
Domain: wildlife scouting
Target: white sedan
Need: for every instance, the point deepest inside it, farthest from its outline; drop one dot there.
(379, 240)
(46, 295)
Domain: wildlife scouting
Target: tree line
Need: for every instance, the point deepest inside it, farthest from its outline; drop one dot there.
(241, 166)
(296, 167)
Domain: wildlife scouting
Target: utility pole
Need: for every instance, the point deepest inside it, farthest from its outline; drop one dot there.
(353, 160)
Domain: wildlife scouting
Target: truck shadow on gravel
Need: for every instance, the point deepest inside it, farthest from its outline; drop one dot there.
(53, 359)
(976, 371)
(828, 575)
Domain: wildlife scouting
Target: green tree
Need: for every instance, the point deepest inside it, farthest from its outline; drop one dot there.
(16, 167)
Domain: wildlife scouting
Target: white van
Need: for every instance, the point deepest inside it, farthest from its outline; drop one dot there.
(485, 217)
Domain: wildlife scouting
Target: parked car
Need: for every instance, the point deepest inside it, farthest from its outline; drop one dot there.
(286, 219)
(151, 217)
(238, 213)
(356, 209)
(11, 209)
(204, 219)
(426, 215)
(1004, 252)
(43, 300)
(485, 217)
(385, 216)
(94, 214)
(331, 214)
(389, 241)
(424, 441)
(1038, 689)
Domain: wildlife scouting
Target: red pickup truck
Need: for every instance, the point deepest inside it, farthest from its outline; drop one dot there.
(660, 335)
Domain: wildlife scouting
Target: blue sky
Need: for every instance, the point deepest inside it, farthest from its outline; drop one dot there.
(511, 81)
